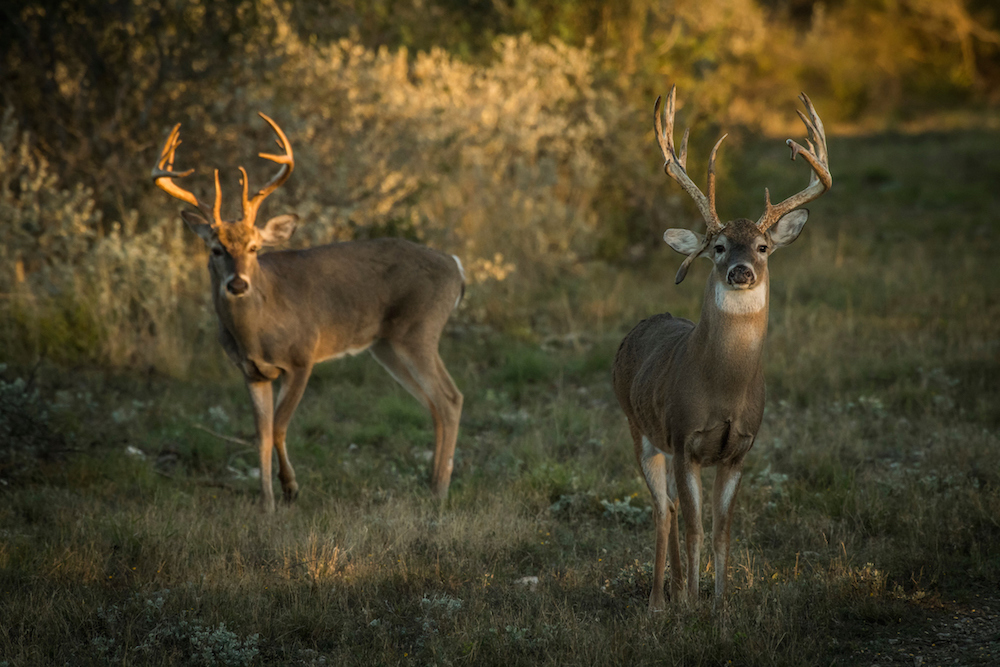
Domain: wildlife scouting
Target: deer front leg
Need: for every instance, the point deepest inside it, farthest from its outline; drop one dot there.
(687, 474)
(292, 387)
(727, 483)
(263, 417)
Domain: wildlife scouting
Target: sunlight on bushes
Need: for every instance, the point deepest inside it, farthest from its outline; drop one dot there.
(496, 163)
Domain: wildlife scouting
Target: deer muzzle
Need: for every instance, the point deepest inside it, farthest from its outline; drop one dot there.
(741, 276)
(237, 286)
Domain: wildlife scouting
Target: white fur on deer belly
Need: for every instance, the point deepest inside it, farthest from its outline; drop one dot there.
(740, 302)
(349, 352)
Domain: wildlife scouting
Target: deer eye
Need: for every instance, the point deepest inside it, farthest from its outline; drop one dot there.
(762, 248)
(217, 251)
(720, 249)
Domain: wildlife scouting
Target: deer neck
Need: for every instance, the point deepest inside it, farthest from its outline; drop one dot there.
(243, 316)
(730, 336)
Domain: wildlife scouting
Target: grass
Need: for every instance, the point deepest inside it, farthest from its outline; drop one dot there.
(868, 513)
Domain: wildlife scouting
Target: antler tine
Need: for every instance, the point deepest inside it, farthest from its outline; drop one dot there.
(683, 159)
(711, 176)
(287, 162)
(675, 166)
(817, 122)
(163, 172)
(816, 155)
(245, 183)
(663, 127)
(217, 208)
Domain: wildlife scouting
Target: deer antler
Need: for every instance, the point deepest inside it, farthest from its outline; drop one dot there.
(163, 174)
(287, 162)
(675, 167)
(819, 181)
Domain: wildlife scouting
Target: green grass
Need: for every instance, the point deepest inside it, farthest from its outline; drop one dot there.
(868, 510)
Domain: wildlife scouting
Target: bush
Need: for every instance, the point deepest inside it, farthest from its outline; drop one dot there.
(75, 293)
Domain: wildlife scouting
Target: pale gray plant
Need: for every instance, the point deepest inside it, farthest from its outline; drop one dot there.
(162, 631)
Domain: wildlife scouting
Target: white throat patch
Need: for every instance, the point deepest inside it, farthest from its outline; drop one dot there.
(740, 302)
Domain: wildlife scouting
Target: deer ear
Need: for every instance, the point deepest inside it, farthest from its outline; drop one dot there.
(198, 224)
(683, 241)
(279, 229)
(787, 229)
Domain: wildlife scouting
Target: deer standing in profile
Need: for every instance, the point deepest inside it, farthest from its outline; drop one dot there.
(693, 394)
(282, 312)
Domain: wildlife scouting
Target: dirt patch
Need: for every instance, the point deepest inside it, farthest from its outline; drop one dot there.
(941, 633)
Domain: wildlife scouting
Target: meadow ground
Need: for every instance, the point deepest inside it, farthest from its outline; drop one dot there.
(867, 529)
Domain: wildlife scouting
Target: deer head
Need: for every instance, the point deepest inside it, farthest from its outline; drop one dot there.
(233, 244)
(740, 248)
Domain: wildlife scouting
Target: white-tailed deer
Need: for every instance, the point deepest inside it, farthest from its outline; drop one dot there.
(694, 393)
(282, 312)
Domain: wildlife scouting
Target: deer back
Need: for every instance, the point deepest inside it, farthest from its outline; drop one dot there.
(332, 300)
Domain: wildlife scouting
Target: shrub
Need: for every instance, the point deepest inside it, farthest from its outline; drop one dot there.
(77, 293)
(141, 628)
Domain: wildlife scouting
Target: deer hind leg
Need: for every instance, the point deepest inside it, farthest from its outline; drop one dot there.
(263, 417)
(422, 373)
(450, 399)
(292, 387)
(654, 466)
(727, 483)
(687, 475)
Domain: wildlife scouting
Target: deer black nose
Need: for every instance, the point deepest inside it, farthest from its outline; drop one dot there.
(741, 274)
(237, 286)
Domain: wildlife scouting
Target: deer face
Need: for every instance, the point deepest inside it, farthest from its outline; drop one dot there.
(233, 248)
(740, 250)
(739, 253)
